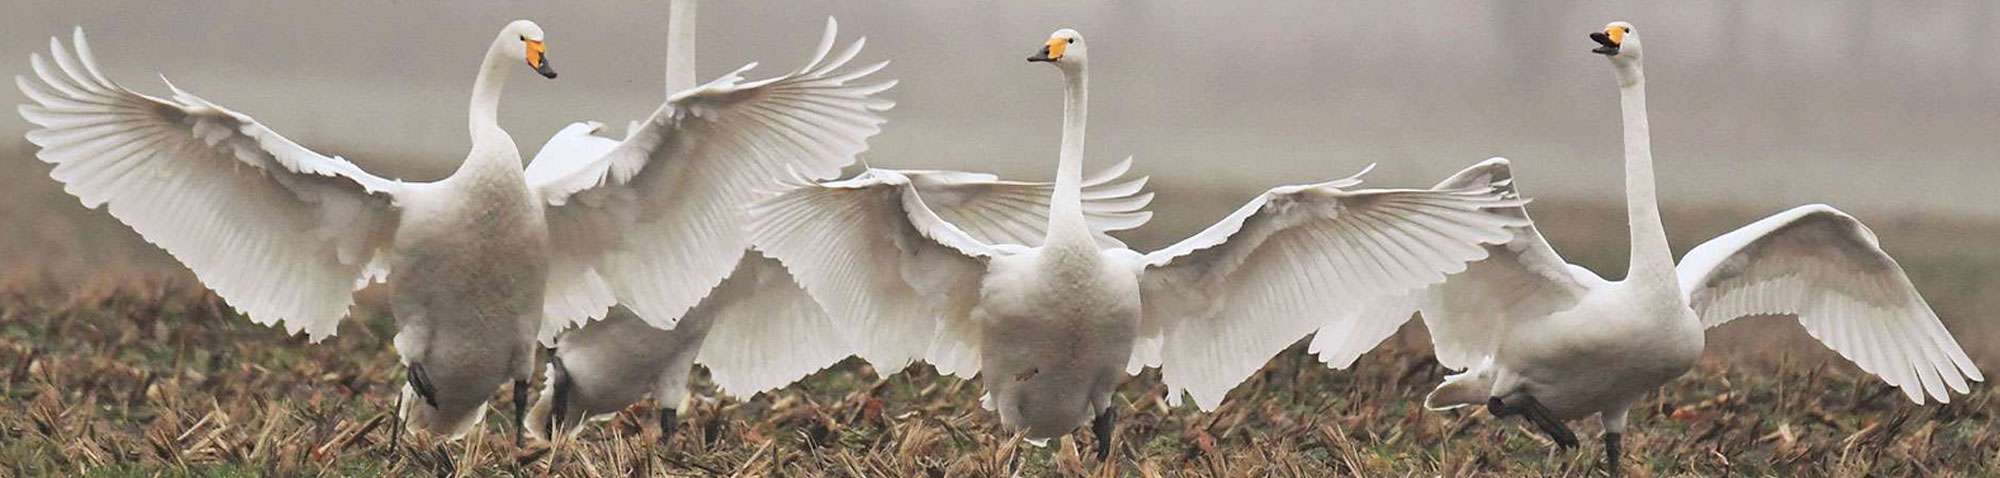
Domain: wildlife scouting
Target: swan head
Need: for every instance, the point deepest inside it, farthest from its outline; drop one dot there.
(1064, 49)
(531, 51)
(1617, 41)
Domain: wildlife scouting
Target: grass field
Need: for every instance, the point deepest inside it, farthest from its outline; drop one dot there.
(135, 370)
(159, 378)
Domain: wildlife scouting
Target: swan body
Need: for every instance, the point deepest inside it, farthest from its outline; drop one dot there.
(485, 260)
(1551, 341)
(765, 332)
(1054, 326)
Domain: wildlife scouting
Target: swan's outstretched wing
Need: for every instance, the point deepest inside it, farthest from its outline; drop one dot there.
(280, 232)
(892, 274)
(1522, 279)
(1227, 299)
(1017, 212)
(658, 220)
(1825, 267)
(900, 279)
(765, 331)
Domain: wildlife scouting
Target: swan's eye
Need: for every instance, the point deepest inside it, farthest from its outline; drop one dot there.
(1071, 40)
(524, 38)
(1628, 30)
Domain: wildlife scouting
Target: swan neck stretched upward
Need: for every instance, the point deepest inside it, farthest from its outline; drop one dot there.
(1651, 260)
(680, 46)
(1066, 221)
(485, 110)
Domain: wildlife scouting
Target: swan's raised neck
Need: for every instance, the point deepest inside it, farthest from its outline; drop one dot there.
(680, 46)
(510, 47)
(1066, 221)
(1651, 260)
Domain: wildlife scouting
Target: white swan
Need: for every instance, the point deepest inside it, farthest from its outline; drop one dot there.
(768, 332)
(285, 234)
(1053, 328)
(763, 331)
(1554, 342)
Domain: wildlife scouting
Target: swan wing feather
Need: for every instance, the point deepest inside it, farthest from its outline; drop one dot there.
(280, 232)
(1227, 299)
(995, 211)
(766, 331)
(1522, 279)
(658, 220)
(891, 273)
(1824, 267)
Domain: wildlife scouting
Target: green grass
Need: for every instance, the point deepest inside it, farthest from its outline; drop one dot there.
(158, 378)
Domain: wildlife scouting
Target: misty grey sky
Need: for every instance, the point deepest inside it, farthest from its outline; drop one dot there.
(1877, 109)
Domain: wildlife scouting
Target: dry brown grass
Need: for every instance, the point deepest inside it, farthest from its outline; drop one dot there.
(114, 362)
(155, 376)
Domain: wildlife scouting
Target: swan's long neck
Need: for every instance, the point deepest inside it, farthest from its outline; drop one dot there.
(1066, 221)
(485, 110)
(1651, 260)
(680, 46)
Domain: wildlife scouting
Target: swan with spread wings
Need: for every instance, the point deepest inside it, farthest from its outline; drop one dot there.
(1552, 341)
(1053, 328)
(479, 259)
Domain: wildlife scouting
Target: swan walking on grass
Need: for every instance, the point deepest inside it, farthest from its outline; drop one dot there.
(1553, 342)
(1053, 328)
(481, 258)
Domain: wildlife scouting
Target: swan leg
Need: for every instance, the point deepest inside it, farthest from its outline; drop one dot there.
(421, 382)
(520, 412)
(1103, 426)
(669, 423)
(559, 401)
(1611, 450)
(1614, 435)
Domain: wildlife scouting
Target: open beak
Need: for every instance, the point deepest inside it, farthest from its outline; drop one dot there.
(1609, 48)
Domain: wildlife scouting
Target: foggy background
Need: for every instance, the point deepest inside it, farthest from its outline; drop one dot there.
(1891, 112)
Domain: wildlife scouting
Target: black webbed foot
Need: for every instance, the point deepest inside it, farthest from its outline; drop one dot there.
(421, 382)
(1540, 416)
(1536, 414)
(1104, 426)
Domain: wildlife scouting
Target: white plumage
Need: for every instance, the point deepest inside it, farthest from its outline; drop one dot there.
(1554, 342)
(285, 234)
(1053, 327)
(1825, 268)
(657, 237)
(765, 332)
